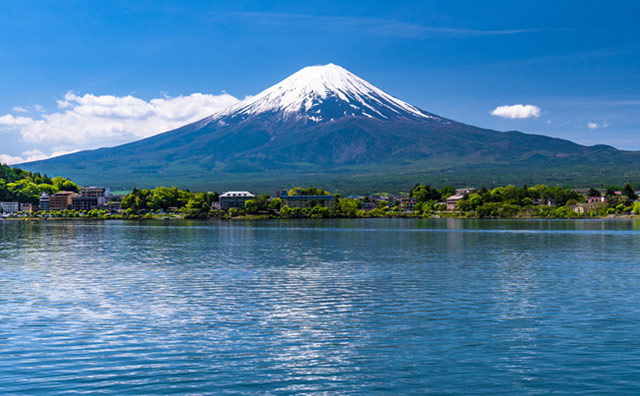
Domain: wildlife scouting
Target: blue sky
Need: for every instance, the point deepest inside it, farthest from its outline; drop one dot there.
(85, 74)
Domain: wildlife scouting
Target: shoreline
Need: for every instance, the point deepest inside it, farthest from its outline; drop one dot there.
(263, 218)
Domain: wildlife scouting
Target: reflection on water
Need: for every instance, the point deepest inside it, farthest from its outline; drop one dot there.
(320, 307)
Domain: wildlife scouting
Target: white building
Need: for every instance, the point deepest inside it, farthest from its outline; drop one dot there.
(234, 199)
(10, 207)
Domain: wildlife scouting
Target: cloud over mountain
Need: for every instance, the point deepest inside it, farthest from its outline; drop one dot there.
(109, 119)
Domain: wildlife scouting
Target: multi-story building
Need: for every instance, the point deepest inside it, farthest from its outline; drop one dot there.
(307, 201)
(89, 191)
(234, 199)
(408, 204)
(452, 201)
(61, 200)
(10, 207)
(44, 202)
(26, 207)
(85, 203)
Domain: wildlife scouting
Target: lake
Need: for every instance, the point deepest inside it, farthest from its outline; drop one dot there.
(363, 306)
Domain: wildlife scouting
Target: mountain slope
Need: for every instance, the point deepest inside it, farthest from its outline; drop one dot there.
(321, 123)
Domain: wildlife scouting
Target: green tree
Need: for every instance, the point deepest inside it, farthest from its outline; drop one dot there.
(259, 204)
(475, 201)
(628, 191)
(425, 193)
(197, 207)
(307, 191)
(23, 186)
(319, 212)
(275, 204)
(161, 198)
(348, 207)
(593, 192)
(447, 191)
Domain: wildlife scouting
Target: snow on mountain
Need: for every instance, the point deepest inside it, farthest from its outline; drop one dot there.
(322, 94)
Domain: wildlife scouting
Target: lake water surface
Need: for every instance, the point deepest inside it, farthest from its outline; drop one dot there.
(379, 306)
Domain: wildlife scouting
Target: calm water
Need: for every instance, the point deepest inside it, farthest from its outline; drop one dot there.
(313, 307)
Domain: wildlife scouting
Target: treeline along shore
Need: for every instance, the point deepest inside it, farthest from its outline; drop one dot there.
(26, 195)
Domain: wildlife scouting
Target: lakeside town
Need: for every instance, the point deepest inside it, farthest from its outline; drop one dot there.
(422, 201)
(27, 195)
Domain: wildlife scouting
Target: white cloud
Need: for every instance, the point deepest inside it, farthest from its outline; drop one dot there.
(517, 111)
(595, 125)
(10, 160)
(30, 155)
(11, 121)
(34, 155)
(20, 109)
(94, 120)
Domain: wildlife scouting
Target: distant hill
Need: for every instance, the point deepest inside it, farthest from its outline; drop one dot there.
(324, 125)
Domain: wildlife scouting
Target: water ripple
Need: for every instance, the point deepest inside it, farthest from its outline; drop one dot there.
(329, 307)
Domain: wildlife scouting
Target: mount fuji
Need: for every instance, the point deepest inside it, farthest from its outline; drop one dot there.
(323, 124)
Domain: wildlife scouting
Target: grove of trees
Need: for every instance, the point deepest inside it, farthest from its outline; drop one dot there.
(23, 186)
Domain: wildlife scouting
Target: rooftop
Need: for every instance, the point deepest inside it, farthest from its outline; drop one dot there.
(230, 194)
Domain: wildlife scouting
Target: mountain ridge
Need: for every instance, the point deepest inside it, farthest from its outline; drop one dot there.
(324, 122)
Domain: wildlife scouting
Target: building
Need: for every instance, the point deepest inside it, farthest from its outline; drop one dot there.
(452, 201)
(408, 204)
(94, 192)
(591, 200)
(61, 200)
(85, 203)
(234, 199)
(10, 207)
(307, 201)
(44, 202)
(15, 207)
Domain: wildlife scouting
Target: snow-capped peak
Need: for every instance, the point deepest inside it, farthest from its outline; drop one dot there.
(324, 93)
